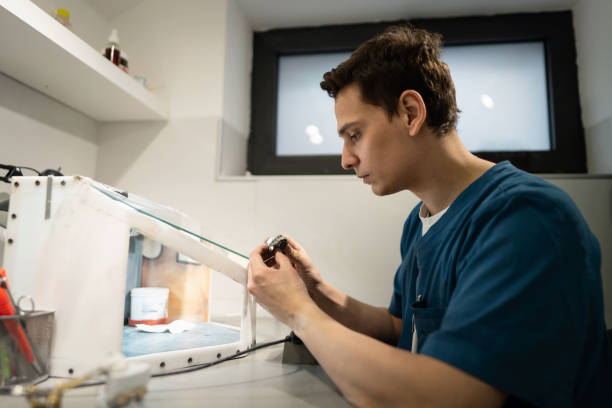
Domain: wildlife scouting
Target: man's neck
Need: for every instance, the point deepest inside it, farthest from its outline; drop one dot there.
(451, 169)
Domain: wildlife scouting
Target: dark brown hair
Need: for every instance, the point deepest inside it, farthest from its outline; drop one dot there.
(403, 57)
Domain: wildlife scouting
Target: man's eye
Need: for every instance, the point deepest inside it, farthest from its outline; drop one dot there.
(355, 136)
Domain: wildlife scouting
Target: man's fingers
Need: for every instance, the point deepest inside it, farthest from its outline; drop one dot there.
(250, 282)
(256, 257)
(282, 260)
(293, 248)
(292, 243)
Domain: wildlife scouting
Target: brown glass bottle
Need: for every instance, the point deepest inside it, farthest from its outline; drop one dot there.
(113, 54)
(112, 51)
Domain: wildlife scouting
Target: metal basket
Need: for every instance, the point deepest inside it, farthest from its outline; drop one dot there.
(25, 348)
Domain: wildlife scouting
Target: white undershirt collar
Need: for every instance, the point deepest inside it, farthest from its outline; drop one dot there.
(427, 220)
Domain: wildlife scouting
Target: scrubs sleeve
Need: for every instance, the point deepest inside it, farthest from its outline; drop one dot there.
(519, 271)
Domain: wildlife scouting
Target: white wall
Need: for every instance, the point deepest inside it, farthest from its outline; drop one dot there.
(198, 57)
(42, 133)
(38, 131)
(594, 59)
(179, 48)
(352, 235)
(174, 163)
(184, 57)
(86, 22)
(237, 70)
(593, 196)
(593, 34)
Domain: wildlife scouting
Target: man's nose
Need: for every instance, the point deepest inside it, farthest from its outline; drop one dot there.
(349, 160)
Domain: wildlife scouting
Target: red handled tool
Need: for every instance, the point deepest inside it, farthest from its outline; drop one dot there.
(7, 308)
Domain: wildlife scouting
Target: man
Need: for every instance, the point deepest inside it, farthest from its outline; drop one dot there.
(498, 299)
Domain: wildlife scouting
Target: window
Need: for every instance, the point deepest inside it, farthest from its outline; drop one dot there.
(504, 67)
(501, 90)
(305, 121)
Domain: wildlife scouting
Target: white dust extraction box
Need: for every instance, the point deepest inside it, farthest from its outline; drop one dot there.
(84, 250)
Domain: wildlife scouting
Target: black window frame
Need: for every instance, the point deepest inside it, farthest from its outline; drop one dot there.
(554, 29)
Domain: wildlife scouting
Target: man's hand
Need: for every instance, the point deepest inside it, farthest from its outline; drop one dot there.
(302, 264)
(278, 288)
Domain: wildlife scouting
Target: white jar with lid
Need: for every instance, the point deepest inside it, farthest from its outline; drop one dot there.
(148, 306)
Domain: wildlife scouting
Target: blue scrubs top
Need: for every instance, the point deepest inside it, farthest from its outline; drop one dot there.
(510, 288)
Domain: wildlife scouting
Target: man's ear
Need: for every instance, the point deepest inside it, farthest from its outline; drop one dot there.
(411, 109)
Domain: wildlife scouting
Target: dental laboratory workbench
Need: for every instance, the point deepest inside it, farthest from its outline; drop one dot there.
(260, 379)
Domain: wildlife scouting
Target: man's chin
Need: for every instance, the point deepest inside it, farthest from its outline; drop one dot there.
(382, 190)
(378, 190)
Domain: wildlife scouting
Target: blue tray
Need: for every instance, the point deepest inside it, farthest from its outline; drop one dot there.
(204, 334)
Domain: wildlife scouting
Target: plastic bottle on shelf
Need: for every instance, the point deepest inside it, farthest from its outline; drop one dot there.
(63, 16)
(112, 51)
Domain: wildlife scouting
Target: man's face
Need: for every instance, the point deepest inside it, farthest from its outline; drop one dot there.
(377, 148)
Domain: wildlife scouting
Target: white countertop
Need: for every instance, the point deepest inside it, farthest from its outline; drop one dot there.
(259, 379)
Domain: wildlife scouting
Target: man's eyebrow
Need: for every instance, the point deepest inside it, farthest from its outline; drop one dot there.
(345, 127)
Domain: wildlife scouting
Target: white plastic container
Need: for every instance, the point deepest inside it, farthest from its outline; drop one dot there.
(149, 306)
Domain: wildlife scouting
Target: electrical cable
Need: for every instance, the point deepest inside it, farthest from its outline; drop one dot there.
(291, 337)
(29, 168)
(14, 171)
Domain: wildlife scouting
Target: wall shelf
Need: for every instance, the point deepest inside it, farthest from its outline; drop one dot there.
(41, 53)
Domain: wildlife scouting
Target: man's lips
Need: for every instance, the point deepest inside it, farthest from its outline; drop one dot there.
(364, 177)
